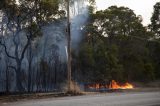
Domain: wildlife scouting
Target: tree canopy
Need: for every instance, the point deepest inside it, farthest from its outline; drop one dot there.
(155, 20)
(116, 47)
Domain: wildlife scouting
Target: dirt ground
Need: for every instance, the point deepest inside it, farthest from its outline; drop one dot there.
(23, 97)
(139, 87)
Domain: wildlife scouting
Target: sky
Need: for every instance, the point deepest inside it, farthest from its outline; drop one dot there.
(140, 7)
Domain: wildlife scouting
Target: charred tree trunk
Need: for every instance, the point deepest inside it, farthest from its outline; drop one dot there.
(29, 69)
(7, 80)
(55, 75)
(19, 78)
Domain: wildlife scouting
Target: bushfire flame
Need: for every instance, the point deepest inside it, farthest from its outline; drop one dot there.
(115, 85)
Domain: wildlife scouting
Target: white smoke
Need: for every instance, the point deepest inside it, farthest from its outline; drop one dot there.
(79, 17)
(54, 36)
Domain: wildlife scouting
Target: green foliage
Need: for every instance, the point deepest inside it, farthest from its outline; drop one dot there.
(155, 20)
(6, 3)
(154, 46)
(116, 21)
(116, 47)
(31, 15)
(149, 71)
(34, 31)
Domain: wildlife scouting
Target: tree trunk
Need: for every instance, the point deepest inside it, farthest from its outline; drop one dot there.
(29, 69)
(7, 80)
(19, 79)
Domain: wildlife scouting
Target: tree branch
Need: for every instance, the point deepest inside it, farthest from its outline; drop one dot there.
(25, 48)
(5, 48)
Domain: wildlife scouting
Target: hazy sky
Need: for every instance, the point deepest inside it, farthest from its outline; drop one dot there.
(140, 7)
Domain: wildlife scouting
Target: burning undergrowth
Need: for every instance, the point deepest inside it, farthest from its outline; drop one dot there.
(113, 85)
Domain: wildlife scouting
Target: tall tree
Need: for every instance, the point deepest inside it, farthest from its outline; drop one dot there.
(23, 22)
(155, 20)
(117, 40)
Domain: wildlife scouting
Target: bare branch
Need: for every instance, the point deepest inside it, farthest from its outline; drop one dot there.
(5, 48)
(25, 48)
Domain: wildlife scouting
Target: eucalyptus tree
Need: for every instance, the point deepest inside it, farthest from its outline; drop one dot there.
(23, 22)
(112, 36)
(155, 20)
(154, 45)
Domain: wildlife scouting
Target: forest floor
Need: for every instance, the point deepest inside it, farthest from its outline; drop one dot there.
(140, 87)
(31, 96)
(136, 97)
(35, 96)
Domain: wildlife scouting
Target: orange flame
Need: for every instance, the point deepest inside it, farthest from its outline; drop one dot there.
(115, 85)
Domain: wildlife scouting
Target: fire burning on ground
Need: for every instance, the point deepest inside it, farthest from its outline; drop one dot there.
(113, 85)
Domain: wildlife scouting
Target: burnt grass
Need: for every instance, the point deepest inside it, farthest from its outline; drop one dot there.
(16, 96)
(12, 97)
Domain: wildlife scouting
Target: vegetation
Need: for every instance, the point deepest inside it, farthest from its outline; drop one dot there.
(118, 46)
(114, 45)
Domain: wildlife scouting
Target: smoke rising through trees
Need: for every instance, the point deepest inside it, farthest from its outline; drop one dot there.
(33, 39)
